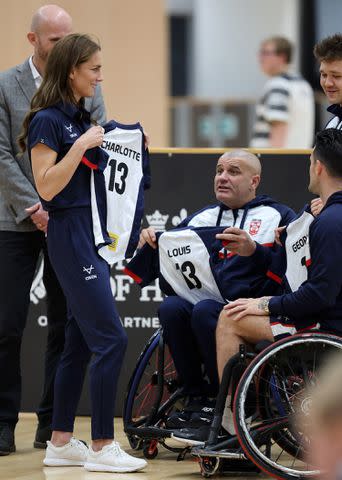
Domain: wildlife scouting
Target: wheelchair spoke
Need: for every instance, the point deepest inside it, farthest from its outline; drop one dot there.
(142, 405)
(147, 387)
(280, 454)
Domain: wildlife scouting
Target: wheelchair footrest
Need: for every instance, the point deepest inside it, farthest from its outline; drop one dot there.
(228, 454)
(149, 432)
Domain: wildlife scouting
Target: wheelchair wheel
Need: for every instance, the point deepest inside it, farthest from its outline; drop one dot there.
(153, 381)
(270, 397)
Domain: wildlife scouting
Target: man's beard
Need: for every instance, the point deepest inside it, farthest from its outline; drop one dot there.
(42, 54)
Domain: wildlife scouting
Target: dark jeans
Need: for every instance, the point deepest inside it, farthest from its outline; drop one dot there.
(189, 330)
(19, 253)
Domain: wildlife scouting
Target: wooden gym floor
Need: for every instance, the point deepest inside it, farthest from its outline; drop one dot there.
(26, 463)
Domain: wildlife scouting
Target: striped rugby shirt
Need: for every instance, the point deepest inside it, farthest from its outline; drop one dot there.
(286, 98)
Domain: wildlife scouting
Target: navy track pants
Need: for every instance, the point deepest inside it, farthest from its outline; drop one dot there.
(93, 328)
(189, 330)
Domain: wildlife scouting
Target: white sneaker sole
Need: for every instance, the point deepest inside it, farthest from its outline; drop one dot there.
(100, 467)
(186, 441)
(62, 462)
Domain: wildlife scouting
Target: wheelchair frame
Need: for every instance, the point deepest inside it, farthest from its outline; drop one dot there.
(257, 439)
(252, 448)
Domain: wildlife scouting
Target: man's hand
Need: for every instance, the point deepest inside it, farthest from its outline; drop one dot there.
(277, 233)
(316, 206)
(147, 140)
(148, 235)
(38, 216)
(246, 306)
(237, 241)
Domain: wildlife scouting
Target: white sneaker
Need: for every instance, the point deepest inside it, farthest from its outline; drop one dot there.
(111, 458)
(72, 454)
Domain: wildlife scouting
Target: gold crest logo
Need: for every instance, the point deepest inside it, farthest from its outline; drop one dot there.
(114, 245)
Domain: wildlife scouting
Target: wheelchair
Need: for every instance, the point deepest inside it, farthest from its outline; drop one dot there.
(269, 397)
(153, 392)
(270, 408)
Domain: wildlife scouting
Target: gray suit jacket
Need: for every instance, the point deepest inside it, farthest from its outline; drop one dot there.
(17, 190)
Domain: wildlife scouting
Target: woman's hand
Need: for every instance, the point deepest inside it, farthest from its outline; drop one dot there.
(93, 137)
(277, 233)
(148, 235)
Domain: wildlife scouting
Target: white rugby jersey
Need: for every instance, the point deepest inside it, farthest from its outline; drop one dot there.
(297, 248)
(296, 242)
(184, 259)
(286, 98)
(126, 175)
(291, 267)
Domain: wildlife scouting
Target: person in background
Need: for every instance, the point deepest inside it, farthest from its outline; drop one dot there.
(285, 112)
(23, 224)
(328, 53)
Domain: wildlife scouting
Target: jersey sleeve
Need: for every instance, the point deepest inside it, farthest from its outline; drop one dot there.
(96, 159)
(144, 266)
(45, 130)
(146, 167)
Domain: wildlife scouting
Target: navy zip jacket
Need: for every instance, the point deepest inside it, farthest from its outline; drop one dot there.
(319, 298)
(236, 276)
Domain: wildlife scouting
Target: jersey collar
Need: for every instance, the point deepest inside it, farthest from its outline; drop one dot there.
(335, 109)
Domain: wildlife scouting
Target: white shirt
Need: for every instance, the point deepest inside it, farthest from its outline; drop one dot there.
(35, 74)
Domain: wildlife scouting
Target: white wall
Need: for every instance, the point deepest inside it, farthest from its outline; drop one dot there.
(225, 41)
(329, 14)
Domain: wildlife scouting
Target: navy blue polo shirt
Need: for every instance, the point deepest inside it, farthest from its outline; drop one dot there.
(58, 127)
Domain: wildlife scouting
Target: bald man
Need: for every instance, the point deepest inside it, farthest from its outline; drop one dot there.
(189, 329)
(23, 224)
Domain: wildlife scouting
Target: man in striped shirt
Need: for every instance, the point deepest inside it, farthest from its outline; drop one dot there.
(285, 111)
(329, 54)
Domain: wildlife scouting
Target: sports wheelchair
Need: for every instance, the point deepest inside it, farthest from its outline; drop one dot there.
(269, 397)
(153, 393)
(269, 400)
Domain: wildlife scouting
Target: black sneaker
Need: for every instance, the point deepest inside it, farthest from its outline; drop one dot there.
(179, 419)
(197, 408)
(204, 416)
(42, 435)
(7, 444)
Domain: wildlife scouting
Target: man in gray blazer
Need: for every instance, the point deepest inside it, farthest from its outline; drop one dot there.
(23, 225)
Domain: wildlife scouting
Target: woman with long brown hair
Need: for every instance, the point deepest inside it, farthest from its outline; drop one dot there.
(59, 134)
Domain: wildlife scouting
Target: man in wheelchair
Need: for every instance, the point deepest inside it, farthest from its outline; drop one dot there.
(308, 266)
(188, 325)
